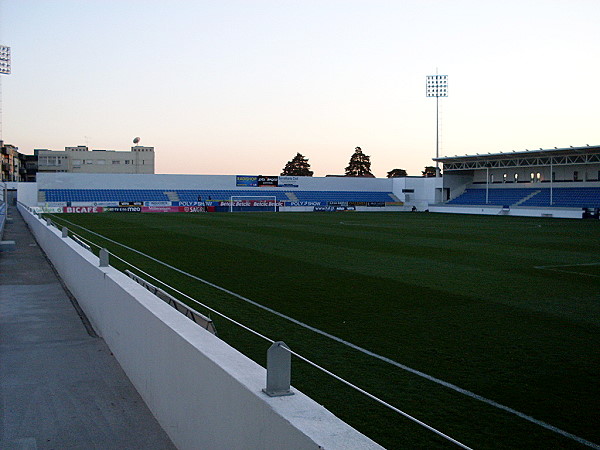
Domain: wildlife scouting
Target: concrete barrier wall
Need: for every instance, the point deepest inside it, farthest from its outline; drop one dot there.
(203, 392)
(3, 207)
(521, 212)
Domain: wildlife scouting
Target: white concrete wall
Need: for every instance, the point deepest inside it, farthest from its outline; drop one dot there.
(173, 182)
(27, 193)
(203, 392)
(424, 190)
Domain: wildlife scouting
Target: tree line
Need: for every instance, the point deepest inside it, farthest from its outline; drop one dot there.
(359, 166)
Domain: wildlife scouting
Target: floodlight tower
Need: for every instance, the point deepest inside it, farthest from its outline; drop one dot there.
(437, 86)
(4, 70)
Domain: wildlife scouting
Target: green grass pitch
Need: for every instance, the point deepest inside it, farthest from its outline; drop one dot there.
(507, 308)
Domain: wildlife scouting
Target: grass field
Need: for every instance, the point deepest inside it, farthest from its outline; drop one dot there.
(506, 308)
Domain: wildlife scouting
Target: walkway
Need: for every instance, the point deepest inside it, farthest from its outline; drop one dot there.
(60, 387)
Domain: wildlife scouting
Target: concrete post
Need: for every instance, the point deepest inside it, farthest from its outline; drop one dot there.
(279, 368)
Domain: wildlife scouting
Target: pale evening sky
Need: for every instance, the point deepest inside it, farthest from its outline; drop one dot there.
(238, 87)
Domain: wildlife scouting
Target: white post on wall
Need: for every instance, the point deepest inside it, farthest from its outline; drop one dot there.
(487, 184)
(279, 370)
(103, 256)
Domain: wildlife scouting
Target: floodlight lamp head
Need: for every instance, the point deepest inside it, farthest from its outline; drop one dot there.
(4, 60)
(136, 140)
(437, 85)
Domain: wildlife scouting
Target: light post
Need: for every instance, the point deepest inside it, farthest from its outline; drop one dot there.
(437, 86)
(4, 70)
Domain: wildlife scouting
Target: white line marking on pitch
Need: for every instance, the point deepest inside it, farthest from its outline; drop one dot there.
(558, 268)
(362, 350)
(568, 265)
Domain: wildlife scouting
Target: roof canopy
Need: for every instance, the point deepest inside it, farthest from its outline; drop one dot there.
(528, 158)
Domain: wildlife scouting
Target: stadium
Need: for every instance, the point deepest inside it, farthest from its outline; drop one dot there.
(547, 183)
(418, 329)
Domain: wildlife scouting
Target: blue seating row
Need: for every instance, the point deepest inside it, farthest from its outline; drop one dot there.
(107, 195)
(560, 197)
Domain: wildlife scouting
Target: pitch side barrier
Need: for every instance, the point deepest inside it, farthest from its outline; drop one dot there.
(204, 393)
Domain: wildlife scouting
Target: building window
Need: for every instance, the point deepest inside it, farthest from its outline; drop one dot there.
(76, 162)
(116, 162)
(101, 161)
(126, 161)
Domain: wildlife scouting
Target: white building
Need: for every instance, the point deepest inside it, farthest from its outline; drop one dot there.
(81, 160)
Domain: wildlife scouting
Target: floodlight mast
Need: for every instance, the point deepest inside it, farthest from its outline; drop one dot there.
(437, 86)
(4, 70)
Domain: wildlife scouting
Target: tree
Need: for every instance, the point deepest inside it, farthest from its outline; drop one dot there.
(360, 165)
(298, 166)
(429, 172)
(395, 173)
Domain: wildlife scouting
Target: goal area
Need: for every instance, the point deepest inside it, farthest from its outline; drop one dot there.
(239, 203)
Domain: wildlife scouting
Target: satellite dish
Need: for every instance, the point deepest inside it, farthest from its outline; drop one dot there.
(136, 140)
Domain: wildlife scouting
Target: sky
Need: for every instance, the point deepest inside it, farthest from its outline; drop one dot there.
(239, 87)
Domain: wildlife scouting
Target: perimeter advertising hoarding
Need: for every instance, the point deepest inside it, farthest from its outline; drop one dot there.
(131, 203)
(174, 209)
(253, 203)
(158, 203)
(307, 203)
(334, 208)
(83, 209)
(156, 209)
(123, 208)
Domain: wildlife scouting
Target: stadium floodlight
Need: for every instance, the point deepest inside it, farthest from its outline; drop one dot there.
(437, 86)
(4, 70)
(4, 60)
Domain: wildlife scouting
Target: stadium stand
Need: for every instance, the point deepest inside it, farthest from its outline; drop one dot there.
(539, 197)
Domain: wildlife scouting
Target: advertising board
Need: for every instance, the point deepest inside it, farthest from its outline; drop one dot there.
(246, 180)
(288, 181)
(83, 209)
(268, 181)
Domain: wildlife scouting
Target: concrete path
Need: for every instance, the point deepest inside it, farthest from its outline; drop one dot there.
(60, 387)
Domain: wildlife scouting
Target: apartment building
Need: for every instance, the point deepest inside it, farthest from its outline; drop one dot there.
(81, 159)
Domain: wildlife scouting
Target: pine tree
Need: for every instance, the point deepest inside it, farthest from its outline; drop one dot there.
(429, 172)
(360, 165)
(298, 166)
(395, 173)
